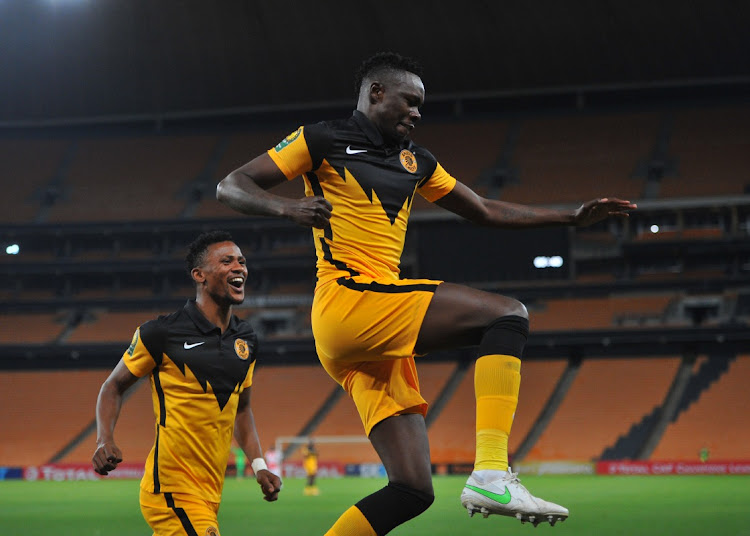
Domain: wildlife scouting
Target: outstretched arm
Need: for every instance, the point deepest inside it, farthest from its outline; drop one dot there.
(247, 438)
(482, 211)
(107, 454)
(245, 190)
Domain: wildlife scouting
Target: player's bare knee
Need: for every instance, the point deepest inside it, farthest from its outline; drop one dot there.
(516, 309)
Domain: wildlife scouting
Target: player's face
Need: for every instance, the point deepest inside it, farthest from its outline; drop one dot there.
(223, 273)
(396, 110)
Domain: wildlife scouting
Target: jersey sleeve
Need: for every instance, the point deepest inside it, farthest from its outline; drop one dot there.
(249, 377)
(301, 151)
(439, 184)
(137, 357)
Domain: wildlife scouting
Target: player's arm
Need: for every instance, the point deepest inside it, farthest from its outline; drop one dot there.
(247, 438)
(108, 405)
(246, 190)
(494, 213)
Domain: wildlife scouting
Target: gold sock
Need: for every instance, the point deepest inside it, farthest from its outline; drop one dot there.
(497, 380)
(351, 523)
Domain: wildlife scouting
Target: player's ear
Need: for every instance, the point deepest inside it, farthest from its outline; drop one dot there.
(197, 275)
(376, 92)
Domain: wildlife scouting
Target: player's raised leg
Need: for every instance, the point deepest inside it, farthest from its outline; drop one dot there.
(460, 316)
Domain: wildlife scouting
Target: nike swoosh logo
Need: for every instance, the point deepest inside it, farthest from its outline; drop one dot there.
(187, 346)
(502, 499)
(349, 150)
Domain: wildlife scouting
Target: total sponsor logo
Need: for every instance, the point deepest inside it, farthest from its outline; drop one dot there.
(62, 472)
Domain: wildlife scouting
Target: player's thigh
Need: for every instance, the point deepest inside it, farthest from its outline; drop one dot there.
(361, 319)
(173, 514)
(458, 315)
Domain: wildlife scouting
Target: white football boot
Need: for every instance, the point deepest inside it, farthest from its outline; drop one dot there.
(501, 492)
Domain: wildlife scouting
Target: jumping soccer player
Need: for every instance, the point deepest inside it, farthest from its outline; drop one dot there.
(360, 176)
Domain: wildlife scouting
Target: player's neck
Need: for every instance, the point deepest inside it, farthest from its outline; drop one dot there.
(218, 314)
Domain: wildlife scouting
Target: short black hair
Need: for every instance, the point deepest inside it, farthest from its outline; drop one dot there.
(197, 250)
(382, 62)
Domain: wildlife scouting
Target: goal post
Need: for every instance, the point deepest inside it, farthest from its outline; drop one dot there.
(339, 455)
(294, 442)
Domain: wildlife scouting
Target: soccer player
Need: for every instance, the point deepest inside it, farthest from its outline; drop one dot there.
(200, 360)
(310, 463)
(360, 176)
(273, 459)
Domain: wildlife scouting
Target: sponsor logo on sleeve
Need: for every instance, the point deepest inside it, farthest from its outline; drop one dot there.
(289, 139)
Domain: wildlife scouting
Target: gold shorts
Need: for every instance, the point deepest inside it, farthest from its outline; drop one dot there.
(365, 331)
(177, 514)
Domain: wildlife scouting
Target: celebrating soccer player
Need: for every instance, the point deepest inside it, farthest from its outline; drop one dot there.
(360, 176)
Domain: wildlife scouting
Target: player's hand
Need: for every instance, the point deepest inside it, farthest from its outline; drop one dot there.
(310, 211)
(270, 484)
(599, 209)
(106, 457)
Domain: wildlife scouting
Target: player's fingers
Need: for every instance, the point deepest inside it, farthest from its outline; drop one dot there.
(113, 455)
(324, 202)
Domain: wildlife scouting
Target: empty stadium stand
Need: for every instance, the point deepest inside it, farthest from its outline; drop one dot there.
(606, 398)
(103, 223)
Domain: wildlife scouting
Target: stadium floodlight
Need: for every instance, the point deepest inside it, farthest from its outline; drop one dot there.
(654, 228)
(555, 261)
(13, 249)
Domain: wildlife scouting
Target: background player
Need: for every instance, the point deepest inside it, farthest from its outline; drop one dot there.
(310, 464)
(360, 177)
(200, 360)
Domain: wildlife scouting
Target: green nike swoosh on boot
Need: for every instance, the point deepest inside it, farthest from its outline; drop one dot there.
(502, 499)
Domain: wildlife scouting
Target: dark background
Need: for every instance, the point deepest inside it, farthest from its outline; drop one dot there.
(63, 59)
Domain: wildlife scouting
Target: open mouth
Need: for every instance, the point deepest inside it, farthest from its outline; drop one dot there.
(237, 282)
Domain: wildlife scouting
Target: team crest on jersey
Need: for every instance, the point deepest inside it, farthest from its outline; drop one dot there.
(242, 349)
(408, 160)
(212, 531)
(289, 139)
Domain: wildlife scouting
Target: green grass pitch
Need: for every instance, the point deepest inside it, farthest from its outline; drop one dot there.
(599, 505)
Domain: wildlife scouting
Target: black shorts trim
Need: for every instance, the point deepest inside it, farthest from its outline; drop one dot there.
(384, 288)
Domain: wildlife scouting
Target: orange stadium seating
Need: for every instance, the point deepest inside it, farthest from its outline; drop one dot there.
(452, 435)
(464, 148)
(712, 147)
(574, 159)
(30, 328)
(111, 327)
(29, 165)
(43, 411)
(607, 397)
(594, 313)
(715, 421)
(124, 179)
(135, 429)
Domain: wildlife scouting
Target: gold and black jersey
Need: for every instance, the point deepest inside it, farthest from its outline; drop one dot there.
(371, 185)
(197, 374)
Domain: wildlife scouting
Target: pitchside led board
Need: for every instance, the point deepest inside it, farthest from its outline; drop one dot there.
(463, 253)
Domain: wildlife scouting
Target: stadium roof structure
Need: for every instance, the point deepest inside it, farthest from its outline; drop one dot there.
(104, 60)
